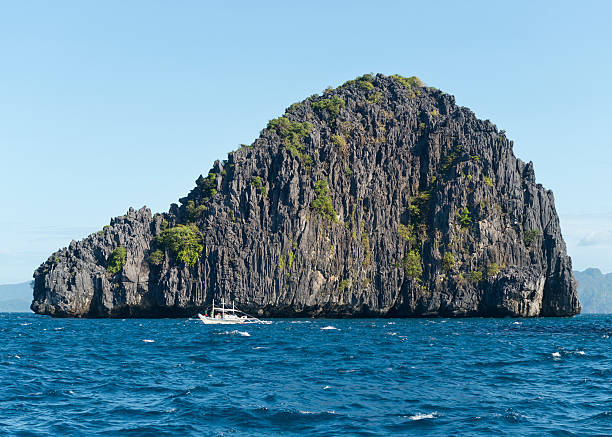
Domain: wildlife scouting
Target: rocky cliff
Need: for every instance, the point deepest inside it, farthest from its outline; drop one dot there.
(379, 198)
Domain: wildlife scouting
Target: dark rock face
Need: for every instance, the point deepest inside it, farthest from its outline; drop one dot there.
(379, 198)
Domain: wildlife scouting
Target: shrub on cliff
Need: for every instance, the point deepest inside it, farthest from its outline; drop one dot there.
(530, 236)
(194, 212)
(116, 260)
(332, 105)
(407, 233)
(493, 270)
(448, 262)
(183, 242)
(413, 264)
(322, 203)
(292, 135)
(156, 257)
(208, 185)
(408, 82)
(464, 217)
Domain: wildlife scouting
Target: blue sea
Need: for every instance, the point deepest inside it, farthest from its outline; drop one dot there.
(369, 377)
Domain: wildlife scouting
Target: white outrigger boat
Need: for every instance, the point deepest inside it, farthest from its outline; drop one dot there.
(228, 316)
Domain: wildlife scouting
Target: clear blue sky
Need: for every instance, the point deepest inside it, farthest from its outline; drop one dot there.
(107, 105)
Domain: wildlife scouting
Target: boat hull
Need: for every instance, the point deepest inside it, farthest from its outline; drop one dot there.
(231, 321)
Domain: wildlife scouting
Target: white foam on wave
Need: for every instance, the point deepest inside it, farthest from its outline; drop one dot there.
(24, 324)
(260, 347)
(422, 416)
(235, 332)
(315, 412)
(146, 340)
(392, 333)
(326, 328)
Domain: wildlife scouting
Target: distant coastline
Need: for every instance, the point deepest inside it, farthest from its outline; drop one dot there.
(594, 291)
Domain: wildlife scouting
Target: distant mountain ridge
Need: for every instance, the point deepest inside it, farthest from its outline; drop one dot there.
(16, 298)
(594, 291)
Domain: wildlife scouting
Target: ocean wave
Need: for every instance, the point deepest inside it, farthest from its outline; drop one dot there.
(235, 332)
(423, 416)
(479, 377)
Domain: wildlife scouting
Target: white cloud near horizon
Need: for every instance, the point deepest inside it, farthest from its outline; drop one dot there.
(589, 239)
(597, 238)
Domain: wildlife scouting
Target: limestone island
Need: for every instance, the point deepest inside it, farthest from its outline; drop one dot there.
(380, 198)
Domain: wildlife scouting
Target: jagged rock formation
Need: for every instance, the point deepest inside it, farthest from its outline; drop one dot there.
(380, 198)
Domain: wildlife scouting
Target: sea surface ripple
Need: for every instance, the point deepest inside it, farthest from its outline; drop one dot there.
(306, 377)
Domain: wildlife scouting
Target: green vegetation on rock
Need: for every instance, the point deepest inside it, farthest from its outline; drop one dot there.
(448, 261)
(345, 283)
(530, 236)
(464, 217)
(476, 276)
(259, 186)
(293, 134)
(194, 212)
(183, 242)
(418, 206)
(365, 240)
(365, 85)
(451, 159)
(290, 258)
(156, 257)
(281, 261)
(340, 142)
(374, 97)
(207, 185)
(493, 269)
(322, 203)
(116, 260)
(365, 82)
(256, 182)
(407, 233)
(331, 105)
(408, 82)
(413, 264)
